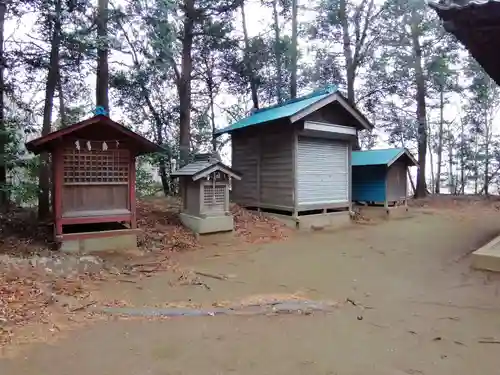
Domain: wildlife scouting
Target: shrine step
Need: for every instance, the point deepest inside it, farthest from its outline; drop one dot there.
(488, 257)
(209, 224)
(89, 242)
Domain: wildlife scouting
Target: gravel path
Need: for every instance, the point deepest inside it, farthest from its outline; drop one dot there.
(408, 304)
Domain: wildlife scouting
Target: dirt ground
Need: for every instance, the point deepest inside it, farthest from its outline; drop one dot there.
(416, 308)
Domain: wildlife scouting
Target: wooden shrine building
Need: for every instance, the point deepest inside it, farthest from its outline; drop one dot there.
(295, 157)
(205, 183)
(379, 177)
(93, 182)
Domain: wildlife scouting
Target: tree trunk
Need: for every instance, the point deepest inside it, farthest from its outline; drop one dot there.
(452, 184)
(102, 76)
(4, 195)
(62, 106)
(486, 153)
(184, 84)
(431, 159)
(293, 63)
(162, 165)
(492, 175)
(421, 190)
(440, 140)
(246, 57)
(348, 56)
(210, 84)
(277, 52)
(208, 61)
(161, 162)
(50, 88)
(476, 167)
(462, 157)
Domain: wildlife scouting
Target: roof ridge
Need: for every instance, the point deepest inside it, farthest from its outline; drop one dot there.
(382, 157)
(37, 145)
(329, 89)
(383, 149)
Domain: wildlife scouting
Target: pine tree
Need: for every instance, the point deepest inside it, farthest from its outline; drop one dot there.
(410, 34)
(4, 198)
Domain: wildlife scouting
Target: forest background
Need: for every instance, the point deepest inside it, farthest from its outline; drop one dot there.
(175, 70)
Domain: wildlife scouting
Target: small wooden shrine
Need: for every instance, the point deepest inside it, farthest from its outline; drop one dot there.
(295, 158)
(93, 181)
(379, 177)
(205, 190)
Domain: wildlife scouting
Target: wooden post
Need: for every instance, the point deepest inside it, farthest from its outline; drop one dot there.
(58, 182)
(386, 181)
(406, 173)
(259, 157)
(212, 176)
(227, 204)
(295, 145)
(132, 199)
(349, 170)
(202, 196)
(386, 202)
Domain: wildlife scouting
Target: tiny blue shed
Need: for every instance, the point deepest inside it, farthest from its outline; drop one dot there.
(380, 176)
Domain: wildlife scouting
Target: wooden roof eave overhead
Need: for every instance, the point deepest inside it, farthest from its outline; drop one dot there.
(362, 121)
(46, 143)
(476, 24)
(409, 159)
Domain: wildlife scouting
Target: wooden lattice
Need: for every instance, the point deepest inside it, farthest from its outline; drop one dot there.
(214, 198)
(96, 166)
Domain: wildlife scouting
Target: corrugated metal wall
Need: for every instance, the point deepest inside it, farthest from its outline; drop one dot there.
(322, 171)
(368, 183)
(396, 182)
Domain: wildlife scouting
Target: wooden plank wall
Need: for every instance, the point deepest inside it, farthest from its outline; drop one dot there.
(276, 171)
(192, 198)
(94, 197)
(333, 113)
(265, 159)
(396, 182)
(245, 161)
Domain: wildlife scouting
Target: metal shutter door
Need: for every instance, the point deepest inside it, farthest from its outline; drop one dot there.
(322, 171)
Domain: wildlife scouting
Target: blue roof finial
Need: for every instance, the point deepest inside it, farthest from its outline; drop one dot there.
(99, 110)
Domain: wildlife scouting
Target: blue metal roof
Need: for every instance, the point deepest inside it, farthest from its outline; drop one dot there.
(380, 157)
(279, 111)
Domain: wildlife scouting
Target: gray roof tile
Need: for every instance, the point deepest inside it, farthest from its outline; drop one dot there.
(193, 168)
